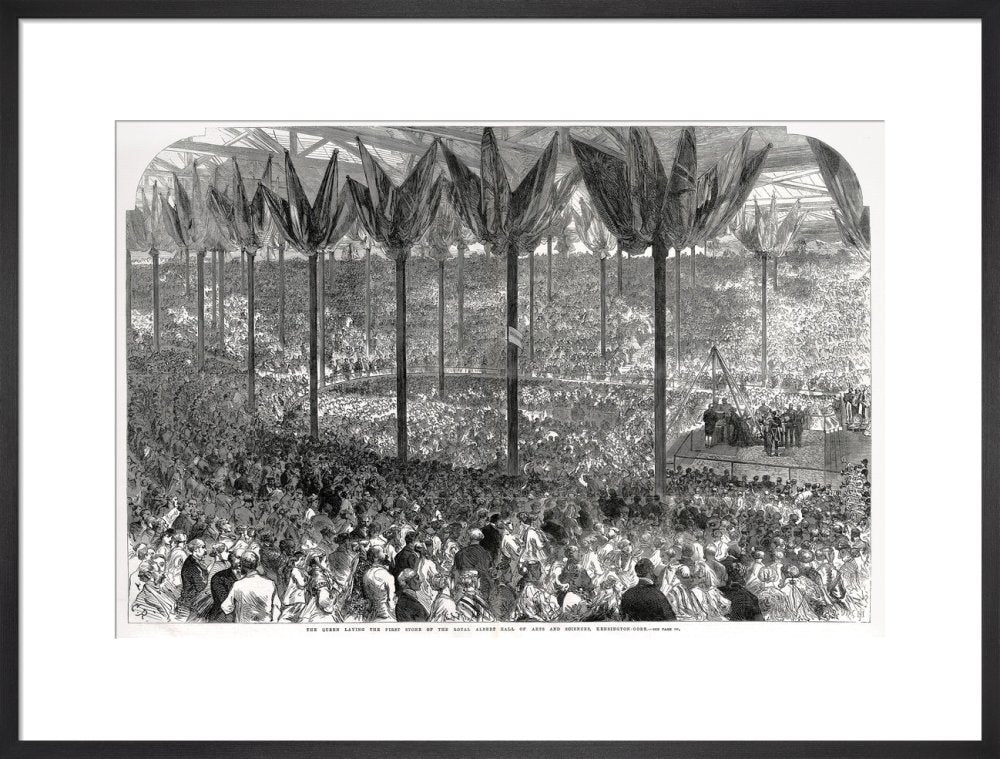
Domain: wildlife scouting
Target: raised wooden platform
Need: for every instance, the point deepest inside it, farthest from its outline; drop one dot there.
(847, 447)
(820, 459)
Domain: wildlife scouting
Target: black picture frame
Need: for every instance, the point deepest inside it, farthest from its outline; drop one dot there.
(12, 11)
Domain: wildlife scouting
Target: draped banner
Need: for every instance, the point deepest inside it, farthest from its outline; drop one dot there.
(841, 182)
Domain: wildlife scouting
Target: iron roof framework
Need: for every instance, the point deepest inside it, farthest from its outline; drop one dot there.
(790, 172)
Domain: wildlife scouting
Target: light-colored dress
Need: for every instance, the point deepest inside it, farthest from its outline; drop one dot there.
(321, 604)
(443, 609)
(294, 599)
(380, 589)
(535, 605)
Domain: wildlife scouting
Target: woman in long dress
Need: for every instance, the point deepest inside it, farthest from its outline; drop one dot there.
(799, 597)
(320, 606)
(687, 604)
(293, 601)
(715, 605)
(773, 603)
(532, 541)
(534, 604)
(851, 590)
(443, 609)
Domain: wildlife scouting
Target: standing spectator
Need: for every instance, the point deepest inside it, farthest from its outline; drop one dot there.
(710, 418)
(407, 558)
(221, 584)
(253, 598)
(194, 578)
(380, 588)
(493, 537)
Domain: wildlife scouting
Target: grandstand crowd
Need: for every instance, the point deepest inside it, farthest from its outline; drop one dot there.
(236, 517)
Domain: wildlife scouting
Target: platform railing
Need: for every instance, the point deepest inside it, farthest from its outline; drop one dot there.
(733, 466)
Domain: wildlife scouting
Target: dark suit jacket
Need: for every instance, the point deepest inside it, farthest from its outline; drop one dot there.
(744, 606)
(555, 531)
(476, 557)
(473, 557)
(194, 578)
(198, 529)
(645, 603)
(183, 523)
(492, 538)
(222, 583)
(410, 610)
(405, 559)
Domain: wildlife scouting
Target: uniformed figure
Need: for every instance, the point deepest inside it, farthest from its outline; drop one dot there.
(710, 418)
(800, 423)
(787, 423)
(726, 417)
(772, 433)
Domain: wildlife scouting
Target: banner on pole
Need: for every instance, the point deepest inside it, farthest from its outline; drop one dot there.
(514, 335)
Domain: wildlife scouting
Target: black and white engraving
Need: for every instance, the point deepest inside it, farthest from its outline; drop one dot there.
(538, 374)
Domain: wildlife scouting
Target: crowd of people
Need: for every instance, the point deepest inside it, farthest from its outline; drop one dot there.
(725, 424)
(335, 533)
(217, 496)
(769, 423)
(853, 408)
(239, 517)
(818, 335)
(566, 430)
